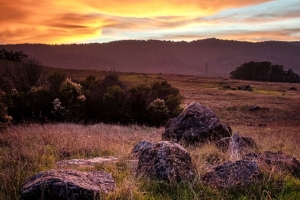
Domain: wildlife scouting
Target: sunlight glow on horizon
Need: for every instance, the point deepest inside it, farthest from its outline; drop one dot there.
(86, 21)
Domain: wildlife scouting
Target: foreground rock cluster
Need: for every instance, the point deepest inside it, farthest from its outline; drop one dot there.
(168, 161)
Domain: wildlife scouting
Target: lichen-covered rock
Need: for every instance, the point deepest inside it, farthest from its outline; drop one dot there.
(277, 161)
(236, 145)
(166, 161)
(240, 173)
(140, 147)
(67, 184)
(196, 124)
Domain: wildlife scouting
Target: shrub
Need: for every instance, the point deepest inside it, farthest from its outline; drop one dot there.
(4, 117)
(158, 112)
(73, 99)
(171, 96)
(39, 100)
(55, 82)
(141, 96)
(114, 101)
(58, 110)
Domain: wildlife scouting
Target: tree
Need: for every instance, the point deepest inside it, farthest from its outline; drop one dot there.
(264, 71)
(24, 75)
(55, 81)
(13, 56)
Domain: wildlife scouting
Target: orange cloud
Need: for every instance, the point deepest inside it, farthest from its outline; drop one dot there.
(68, 21)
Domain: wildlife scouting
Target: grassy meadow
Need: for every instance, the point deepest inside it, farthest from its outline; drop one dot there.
(30, 148)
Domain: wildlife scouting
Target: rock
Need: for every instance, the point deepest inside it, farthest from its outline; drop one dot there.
(293, 88)
(140, 147)
(248, 88)
(196, 124)
(226, 87)
(67, 184)
(240, 173)
(166, 161)
(236, 145)
(91, 162)
(254, 108)
(277, 161)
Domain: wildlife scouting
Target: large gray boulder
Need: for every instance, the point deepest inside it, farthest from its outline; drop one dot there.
(166, 161)
(196, 124)
(240, 174)
(67, 184)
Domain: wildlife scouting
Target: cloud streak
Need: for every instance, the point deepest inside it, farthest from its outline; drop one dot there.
(28, 21)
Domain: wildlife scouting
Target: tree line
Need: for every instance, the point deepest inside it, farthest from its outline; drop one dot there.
(264, 71)
(24, 96)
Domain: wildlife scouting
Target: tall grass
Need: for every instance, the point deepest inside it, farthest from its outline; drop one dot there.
(28, 149)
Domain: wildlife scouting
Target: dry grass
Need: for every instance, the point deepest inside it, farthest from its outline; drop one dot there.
(29, 149)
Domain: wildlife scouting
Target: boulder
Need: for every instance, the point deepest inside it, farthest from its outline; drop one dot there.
(166, 161)
(196, 124)
(236, 145)
(140, 147)
(240, 174)
(277, 161)
(67, 184)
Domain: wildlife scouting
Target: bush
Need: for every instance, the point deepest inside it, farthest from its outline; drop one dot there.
(40, 99)
(73, 99)
(158, 112)
(4, 117)
(141, 96)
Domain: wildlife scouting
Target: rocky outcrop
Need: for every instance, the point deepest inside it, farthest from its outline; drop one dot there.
(140, 147)
(277, 161)
(236, 145)
(240, 173)
(67, 184)
(166, 161)
(196, 124)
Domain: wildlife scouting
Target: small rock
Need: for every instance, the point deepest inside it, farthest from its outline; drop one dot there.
(67, 184)
(196, 124)
(89, 162)
(240, 173)
(248, 88)
(293, 88)
(226, 87)
(254, 108)
(166, 161)
(278, 160)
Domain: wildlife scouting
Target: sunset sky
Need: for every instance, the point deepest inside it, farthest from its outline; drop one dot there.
(85, 21)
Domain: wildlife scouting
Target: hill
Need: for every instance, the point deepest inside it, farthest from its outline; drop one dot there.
(208, 57)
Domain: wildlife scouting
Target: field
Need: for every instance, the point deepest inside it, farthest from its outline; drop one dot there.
(28, 149)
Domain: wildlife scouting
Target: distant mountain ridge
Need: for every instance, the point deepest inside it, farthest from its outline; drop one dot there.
(208, 57)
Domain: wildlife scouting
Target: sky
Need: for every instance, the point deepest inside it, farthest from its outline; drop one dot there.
(89, 21)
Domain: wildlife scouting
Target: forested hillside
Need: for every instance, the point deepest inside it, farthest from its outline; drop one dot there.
(209, 57)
